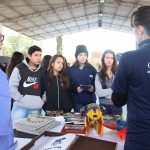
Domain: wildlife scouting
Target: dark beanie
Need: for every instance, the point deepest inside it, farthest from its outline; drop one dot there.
(33, 48)
(81, 49)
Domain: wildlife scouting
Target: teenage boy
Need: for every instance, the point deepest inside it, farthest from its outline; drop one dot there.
(25, 85)
(6, 131)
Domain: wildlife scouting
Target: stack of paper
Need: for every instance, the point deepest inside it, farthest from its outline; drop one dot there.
(73, 118)
(36, 124)
(74, 128)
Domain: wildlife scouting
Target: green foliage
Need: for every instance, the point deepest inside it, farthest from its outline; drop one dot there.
(17, 43)
(10, 45)
(8, 51)
(27, 42)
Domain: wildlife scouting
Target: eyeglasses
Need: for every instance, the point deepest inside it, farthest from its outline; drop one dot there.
(1, 38)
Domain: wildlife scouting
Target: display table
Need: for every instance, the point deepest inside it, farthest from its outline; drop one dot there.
(109, 135)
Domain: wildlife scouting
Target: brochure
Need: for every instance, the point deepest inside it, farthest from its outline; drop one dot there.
(51, 143)
(74, 128)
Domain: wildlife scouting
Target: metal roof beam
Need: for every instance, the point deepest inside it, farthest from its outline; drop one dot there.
(49, 11)
(70, 9)
(69, 21)
(57, 23)
(65, 30)
(35, 12)
(119, 3)
(56, 13)
(84, 4)
(73, 29)
(135, 5)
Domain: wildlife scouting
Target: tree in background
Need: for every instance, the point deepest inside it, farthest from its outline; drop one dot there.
(10, 45)
(17, 43)
(59, 45)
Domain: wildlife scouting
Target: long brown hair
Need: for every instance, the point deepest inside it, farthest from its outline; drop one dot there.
(45, 62)
(103, 74)
(16, 59)
(64, 78)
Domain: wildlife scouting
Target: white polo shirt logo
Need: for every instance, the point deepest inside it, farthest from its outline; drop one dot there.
(148, 65)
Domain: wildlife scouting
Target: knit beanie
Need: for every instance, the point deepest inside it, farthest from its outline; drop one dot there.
(81, 49)
(34, 48)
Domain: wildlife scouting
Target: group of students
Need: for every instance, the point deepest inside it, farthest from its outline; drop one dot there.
(58, 87)
(31, 86)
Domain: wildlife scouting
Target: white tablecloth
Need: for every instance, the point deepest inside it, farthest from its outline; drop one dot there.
(108, 135)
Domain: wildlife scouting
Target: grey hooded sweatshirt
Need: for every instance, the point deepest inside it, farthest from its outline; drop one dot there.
(25, 86)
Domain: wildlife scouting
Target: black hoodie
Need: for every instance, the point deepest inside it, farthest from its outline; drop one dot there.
(56, 97)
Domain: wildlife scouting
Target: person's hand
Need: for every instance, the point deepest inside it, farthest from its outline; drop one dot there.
(79, 89)
(91, 89)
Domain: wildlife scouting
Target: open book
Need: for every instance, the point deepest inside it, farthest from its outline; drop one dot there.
(56, 142)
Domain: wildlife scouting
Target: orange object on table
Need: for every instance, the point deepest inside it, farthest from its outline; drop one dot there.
(122, 133)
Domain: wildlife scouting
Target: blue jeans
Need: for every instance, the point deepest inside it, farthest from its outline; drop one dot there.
(77, 107)
(20, 112)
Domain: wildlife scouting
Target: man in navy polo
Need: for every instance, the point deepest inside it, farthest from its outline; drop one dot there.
(6, 131)
(132, 83)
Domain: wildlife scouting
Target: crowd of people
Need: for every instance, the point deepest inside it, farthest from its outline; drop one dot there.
(51, 85)
(47, 85)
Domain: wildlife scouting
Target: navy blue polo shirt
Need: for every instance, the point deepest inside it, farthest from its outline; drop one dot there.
(133, 78)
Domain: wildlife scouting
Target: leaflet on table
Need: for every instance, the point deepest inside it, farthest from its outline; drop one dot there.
(74, 128)
(73, 118)
(57, 142)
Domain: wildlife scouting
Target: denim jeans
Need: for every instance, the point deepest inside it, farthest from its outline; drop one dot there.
(20, 112)
(77, 107)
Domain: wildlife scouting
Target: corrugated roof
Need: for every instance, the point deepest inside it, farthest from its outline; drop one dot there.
(41, 19)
